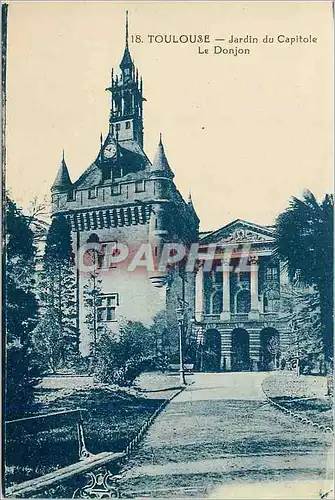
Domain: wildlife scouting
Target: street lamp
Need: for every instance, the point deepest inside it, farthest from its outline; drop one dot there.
(180, 319)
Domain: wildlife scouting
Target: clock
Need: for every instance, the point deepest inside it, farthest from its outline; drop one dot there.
(110, 150)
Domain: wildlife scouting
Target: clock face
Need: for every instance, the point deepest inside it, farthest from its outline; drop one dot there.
(110, 151)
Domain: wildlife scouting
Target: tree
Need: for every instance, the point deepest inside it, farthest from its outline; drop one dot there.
(92, 290)
(304, 243)
(37, 208)
(57, 294)
(120, 359)
(48, 340)
(20, 312)
(306, 347)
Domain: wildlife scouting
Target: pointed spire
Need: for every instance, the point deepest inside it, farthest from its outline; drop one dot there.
(126, 59)
(62, 181)
(127, 26)
(101, 144)
(160, 163)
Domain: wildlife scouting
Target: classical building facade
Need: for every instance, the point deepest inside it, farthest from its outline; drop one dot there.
(123, 200)
(240, 320)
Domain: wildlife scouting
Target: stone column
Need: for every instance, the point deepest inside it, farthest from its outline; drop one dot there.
(283, 281)
(225, 315)
(199, 294)
(254, 309)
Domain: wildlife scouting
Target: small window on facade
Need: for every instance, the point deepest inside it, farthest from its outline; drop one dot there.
(118, 126)
(71, 196)
(127, 124)
(139, 187)
(106, 173)
(117, 172)
(271, 273)
(106, 307)
(55, 199)
(92, 193)
(116, 189)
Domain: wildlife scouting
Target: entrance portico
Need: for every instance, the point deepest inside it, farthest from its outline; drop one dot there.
(240, 292)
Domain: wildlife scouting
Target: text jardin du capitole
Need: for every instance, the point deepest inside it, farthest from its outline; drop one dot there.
(206, 38)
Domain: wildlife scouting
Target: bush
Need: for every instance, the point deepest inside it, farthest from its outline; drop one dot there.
(120, 360)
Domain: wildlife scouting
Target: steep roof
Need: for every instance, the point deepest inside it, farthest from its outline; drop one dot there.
(131, 158)
(160, 163)
(62, 181)
(126, 59)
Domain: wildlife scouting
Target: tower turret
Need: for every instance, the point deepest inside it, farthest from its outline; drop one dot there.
(160, 164)
(62, 182)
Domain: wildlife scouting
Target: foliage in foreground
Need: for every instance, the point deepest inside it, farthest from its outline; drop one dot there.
(56, 337)
(304, 242)
(306, 340)
(20, 312)
(121, 359)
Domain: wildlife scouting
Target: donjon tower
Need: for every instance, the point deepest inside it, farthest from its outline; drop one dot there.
(123, 198)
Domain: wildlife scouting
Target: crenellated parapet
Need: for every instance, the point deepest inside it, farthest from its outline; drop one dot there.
(109, 218)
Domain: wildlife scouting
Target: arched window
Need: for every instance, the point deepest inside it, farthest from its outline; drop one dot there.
(93, 238)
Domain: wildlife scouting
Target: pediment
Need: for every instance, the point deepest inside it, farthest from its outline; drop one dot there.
(239, 231)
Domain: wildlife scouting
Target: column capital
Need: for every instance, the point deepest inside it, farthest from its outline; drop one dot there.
(225, 264)
(253, 259)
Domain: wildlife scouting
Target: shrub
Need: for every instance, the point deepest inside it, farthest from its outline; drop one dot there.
(119, 360)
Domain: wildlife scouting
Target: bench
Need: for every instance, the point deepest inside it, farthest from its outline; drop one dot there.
(86, 460)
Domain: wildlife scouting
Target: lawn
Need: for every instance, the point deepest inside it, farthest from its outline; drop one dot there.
(113, 418)
(305, 395)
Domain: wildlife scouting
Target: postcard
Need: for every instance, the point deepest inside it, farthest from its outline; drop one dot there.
(167, 249)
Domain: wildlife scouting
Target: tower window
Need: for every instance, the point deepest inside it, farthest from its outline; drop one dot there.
(139, 187)
(116, 189)
(127, 124)
(118, 126)
(106, 307)
(92, 193)
(71, 196)
(117, 172)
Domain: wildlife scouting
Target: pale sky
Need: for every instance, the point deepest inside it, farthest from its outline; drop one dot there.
(242, 133)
